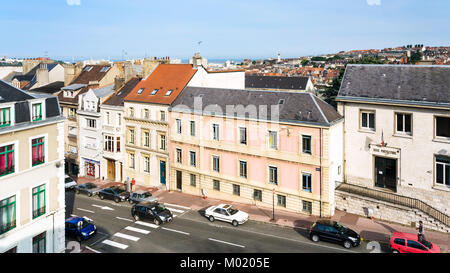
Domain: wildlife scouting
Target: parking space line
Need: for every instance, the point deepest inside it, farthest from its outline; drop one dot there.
(223, 242)
(175, 210)
(173, 230)
(90, 211)
(146, 224)
(177, 206)
(93, 250)
(115, 244)
(128, 237)
(125, 219)
(143, 231)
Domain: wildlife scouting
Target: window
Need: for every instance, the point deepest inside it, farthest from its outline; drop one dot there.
(72, 113)
(443, 127)
(306, 182)
(5, 117)
(146, 139)
(154, 92)
(193, 180)
(146, 164)
(273, 140)
(216, 131)
(243, 169)
(163, 142)
(193, 164)
(273, 175)
(306, 144)
(178, 126)
(39, 243)
(37, 150)
(37, 112)
(281, 200)
(131, 112)
(216, 163)
(7, 214)
(109, 144)
(443, 170)
(108, 121)
(38, 201)
(140, 91)
(119, 119)
(367, 120)
(307, 206)
(6, 160)
(146, 114)
(132, 165)
(88, 68)
(403, 123)
(192, 128)
(179, 156)
(415, 245)
(399, 241)
(91, 123)
(168, 93)
(118, 144)
(216, 185)
(257, 195)
(131, 134)
(243, 135)
(236, 190)
(163, 115)
(104, 69)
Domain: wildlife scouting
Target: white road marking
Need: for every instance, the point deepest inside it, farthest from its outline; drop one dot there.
(143, 231)
(103, 207)
(73, 215)
(146, 224)
(173, 230)
(128, 237)
(90, 211)
(114, 244)
(223, 242)
(91, 249)
(125, 219)
(178, 206)
(175, 210)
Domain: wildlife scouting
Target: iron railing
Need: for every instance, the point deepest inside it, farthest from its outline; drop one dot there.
(396, 199)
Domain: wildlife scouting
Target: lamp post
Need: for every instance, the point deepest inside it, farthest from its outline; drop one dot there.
(273, 205)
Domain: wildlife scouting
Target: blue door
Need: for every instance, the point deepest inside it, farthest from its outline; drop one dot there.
(162, 167)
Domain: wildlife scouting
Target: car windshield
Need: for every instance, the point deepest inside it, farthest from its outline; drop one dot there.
(426, 243)
(145, 195)
(340, 227)
(158, 209)
(90, 186)
(68, 180)
(232, 211)
(118, 190)
(83, 224)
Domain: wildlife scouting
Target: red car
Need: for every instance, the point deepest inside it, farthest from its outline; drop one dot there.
(408, 243)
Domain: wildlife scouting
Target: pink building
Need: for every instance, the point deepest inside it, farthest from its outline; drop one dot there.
(256, 147)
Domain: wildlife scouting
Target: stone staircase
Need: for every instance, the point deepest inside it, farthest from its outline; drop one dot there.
(429, 222)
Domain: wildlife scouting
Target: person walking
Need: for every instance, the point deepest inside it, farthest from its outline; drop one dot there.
(133, 182)
(420, 235)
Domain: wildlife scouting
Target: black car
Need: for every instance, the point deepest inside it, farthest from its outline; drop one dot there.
(151, 211)
(88, 188)
(334, 232)
(115, 193)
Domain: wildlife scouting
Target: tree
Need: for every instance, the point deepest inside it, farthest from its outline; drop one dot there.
(330, 93)
(305, 62)
(415, 57)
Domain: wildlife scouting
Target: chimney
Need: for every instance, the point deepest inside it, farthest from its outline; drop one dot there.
(42, 75)
(118, 83)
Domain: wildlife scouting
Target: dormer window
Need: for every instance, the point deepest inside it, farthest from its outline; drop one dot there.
(140, 91)
(88, 68)
(169, 92)
(154, 92)
(37, 112)
(5, 117)
(104, 69)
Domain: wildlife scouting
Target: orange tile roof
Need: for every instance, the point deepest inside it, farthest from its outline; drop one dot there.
(164, 78)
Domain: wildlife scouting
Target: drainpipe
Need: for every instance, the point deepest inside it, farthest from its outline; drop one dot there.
(320, 178)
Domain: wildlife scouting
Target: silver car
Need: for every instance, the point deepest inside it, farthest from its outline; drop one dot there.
(141, 196)
(89, 188)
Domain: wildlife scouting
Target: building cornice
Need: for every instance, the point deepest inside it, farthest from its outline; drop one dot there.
(417, 104)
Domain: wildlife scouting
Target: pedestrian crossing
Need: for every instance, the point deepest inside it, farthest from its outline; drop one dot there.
(131, 233)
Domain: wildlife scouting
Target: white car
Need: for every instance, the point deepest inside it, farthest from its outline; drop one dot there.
(226, 213)
(69, 183)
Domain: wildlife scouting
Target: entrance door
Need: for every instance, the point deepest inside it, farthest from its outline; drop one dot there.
(111, 170)
(179, 180)
(386, 173)
(162, 169)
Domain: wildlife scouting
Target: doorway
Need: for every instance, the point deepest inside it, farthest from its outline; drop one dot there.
(162, 169)
(111, 170)
(179, 180)
(386, 173)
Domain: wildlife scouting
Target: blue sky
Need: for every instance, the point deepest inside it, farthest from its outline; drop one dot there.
(227, 28)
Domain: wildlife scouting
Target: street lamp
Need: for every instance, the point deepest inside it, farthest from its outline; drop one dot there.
(273, 205)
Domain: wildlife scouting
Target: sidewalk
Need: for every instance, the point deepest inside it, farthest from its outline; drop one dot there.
(372, 230)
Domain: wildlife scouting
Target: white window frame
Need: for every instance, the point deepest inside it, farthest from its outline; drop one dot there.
(367, 112)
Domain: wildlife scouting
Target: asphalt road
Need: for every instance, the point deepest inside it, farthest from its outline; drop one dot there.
(189, 232)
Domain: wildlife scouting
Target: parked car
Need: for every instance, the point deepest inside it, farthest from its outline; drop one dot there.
(88, 188)
(334, 232)
(141, 196)
(409, 243)
(81, 228)
(151, 211)
(69, 183)
(224, 212)
(115, 193)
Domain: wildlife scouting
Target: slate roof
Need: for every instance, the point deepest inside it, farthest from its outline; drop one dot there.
(94, 74)
(9, 93)
(50, 88)
(104, 91)
(165, 77)
(275, 82)
(417, 84)
(117, 99)
(301, 107)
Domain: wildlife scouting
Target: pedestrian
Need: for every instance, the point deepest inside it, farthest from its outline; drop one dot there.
(132, 183)
(420, 235)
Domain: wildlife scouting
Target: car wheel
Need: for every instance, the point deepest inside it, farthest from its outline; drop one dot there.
(157, 222)
(117, 200)
(101, 196)
(235, 223)
(211, 218)
(395, 251)
(90, 194)
(315, 238)
(347, 244)
(136, 217)
(77, 191)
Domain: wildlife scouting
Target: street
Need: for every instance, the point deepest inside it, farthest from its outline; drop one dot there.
(189, 232)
